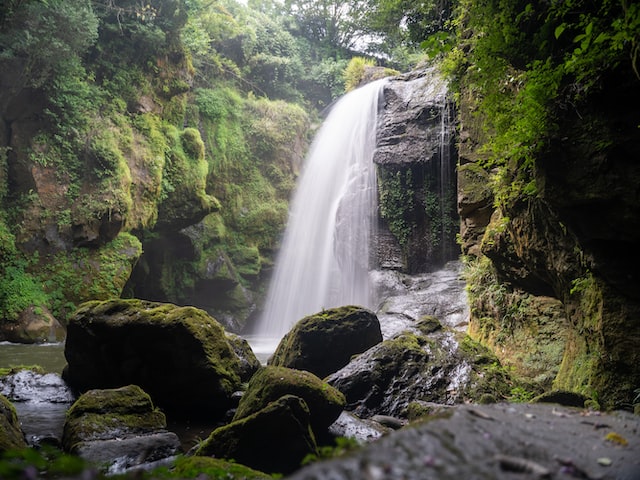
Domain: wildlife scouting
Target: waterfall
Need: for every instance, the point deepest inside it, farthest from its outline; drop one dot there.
(324, 257)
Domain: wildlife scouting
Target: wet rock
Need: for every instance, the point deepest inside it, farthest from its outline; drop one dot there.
(446, 367)
(502, 441)
(270, 383)
(33, 325)
(362, 430)
(274, 439)
(249, 364)
(562, 397)
(179, 355)
(325, 342)
(11, 435)
(118, 426)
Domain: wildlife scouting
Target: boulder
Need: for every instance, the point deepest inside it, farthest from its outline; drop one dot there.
(444, 368)
(270, 383)
(11, 435)
(33, 325)
(274, 439)
(325, 342)
(118, 426)
(179, 355)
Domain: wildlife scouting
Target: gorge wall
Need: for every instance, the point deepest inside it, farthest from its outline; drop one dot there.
(551, 241)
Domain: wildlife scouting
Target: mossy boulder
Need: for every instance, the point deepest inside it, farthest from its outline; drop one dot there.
(118, 425)
(274, 439)
(179, 355)
(11, 435)
(325, 342)
(443, 368)
(34, 325)
(270, 383)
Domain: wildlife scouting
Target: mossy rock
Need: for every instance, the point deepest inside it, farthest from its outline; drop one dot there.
(179, 355)
(325, 342)
(249, 363)
(11, 435)
(274, 439)
(111, 413)
(270, 383)
(214, 469)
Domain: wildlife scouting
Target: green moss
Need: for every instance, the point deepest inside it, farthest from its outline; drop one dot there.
(270, 383)
(214, 469)
(396, 192)
(11, 436)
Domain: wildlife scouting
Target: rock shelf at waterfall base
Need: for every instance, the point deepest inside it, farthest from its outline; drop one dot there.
(501, 441)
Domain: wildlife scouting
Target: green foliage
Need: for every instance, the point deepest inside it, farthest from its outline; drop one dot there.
(53, 463)
(396, 202)
(342, 446)
(354, 73)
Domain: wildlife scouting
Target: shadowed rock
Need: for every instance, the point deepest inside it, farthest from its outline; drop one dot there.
(325, 342)
(11, 435)
(179, 355)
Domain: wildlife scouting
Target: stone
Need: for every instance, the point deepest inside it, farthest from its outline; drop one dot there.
(11, 436)
(445, 368)
(34, 325)
(179, 355)
(118, 426)
(325, 342)
(274, 439)
(490, 441)
(249, 363)
(270, 383)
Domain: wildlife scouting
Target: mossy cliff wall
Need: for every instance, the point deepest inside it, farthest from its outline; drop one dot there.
(550, 222)
(110, 147)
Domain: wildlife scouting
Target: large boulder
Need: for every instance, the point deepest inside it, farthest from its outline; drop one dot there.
(275, 439)
(33, 325)
(325, 342)
(270, 383)
(118, 426)
(179, 355)
(410, 367)
(11, 436)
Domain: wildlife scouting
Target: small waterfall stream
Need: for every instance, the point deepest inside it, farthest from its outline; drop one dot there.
(324, 258)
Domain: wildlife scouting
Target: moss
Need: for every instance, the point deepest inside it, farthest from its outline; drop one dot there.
(11, 436)
(107, 414)
(270, 383)
(214, 469)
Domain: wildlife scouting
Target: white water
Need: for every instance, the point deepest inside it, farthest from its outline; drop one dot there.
(324, 258)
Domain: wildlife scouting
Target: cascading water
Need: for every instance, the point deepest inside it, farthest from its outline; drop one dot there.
(324, 258)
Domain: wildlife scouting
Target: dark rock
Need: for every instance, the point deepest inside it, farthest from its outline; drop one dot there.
(274, 439)
(185, 466)
(118, 426)
(325, 342)
(179, 355)
(270, 383)
(503, 441)
(11, 436)
(561, 397)
(249, 364)
(410, 127)
(387, 378)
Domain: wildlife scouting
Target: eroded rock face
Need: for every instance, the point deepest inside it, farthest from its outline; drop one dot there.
(415, 156)
(270, 383)
(275, 439)
(118, 426)
(179, 355)
(325, 342)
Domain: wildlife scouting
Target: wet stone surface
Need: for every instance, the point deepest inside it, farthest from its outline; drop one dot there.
(501, 441)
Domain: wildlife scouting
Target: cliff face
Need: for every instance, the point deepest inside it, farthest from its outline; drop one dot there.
(415, 157)
(575, 240)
